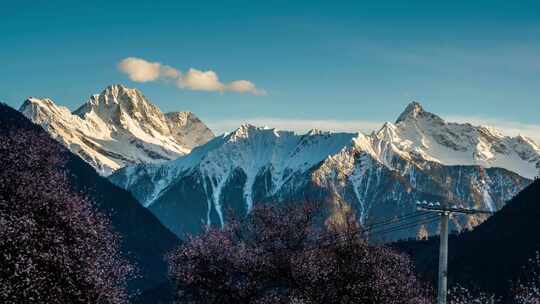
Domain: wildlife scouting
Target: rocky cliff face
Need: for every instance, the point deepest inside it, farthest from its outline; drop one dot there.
(119, 127)
(379, 176)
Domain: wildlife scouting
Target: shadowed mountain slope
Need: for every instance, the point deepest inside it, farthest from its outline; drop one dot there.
(144, 239)
(380, 176)
(491, 255)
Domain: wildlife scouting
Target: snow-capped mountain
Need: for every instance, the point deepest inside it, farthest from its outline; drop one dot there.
(421, 136)
(119, 127)
(378, 176)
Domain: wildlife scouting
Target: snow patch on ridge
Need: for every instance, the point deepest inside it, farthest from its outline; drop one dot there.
(255, 149)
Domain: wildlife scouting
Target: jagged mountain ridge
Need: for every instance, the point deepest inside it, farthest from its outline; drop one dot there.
(119, 127)
(420, 136)
(379, 176)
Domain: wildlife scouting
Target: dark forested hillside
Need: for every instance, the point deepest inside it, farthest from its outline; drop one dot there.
(145, 240)
(491, 255)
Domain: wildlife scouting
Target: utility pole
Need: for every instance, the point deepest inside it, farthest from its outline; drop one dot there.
(445, 212)
(443, 259)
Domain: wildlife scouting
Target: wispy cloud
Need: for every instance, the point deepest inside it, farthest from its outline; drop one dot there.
(141, 70)
(297, 125)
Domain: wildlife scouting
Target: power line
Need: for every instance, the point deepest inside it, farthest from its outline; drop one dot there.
(396, 223)
(384, 227)
(321, 243)
(445, 212)
(406, 226)
(393, 220)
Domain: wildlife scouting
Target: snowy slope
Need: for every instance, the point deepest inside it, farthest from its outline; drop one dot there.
(251, 149)
(119, 127)
(381, 175)
(421, 136)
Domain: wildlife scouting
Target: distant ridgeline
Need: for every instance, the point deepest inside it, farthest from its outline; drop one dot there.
(379, 177)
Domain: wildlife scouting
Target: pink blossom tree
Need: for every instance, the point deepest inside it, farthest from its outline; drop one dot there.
(285, 255)
(527, 290)
(461, 295)
(54, 248)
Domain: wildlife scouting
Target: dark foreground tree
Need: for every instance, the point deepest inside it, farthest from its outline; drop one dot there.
(282, 255)
(53, 247)
(527, 290)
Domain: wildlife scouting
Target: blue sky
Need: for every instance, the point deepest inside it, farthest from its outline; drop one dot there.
(328, 64)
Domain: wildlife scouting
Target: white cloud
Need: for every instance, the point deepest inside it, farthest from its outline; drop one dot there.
(169, 72)
(244, 86)
(297, 125)
(140, 70)
(201, 81)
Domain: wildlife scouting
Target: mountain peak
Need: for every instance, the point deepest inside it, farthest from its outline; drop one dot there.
(117, 88)
(315, 131)
(115, 93)
(247, 130)
(119, 127)
(121, 94)
(38, 109)
(115, 98)
(412, 110)
(40, 101)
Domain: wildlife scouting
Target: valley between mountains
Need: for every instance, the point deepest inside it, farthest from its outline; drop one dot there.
(174, 165)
